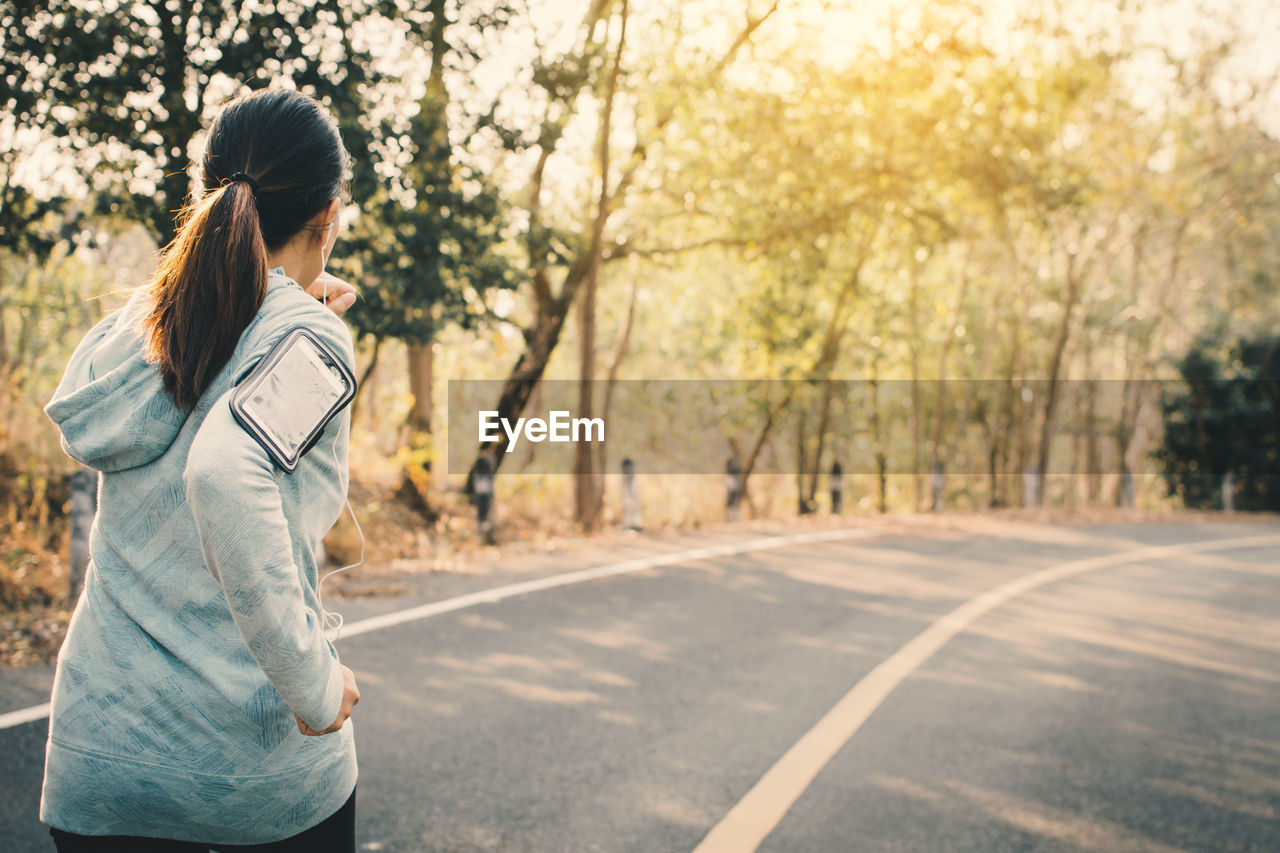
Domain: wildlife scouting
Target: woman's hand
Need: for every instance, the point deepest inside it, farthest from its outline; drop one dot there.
(350, 696)
(341, 295)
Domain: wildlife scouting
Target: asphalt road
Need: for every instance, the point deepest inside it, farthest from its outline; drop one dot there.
(1135, 706)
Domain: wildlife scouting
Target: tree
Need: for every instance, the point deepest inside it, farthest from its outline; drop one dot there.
(1222, 423)
(427, 248)
(127, 87)
(570, 249)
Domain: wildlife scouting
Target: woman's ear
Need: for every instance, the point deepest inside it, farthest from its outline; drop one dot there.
(329, 231)
(324, 223)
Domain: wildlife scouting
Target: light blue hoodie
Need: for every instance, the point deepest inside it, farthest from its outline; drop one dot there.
(198, 635)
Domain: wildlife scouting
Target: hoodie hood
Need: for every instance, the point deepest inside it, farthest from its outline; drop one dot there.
(111, 406)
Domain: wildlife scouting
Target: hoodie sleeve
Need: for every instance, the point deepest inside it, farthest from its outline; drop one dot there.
(232, 492)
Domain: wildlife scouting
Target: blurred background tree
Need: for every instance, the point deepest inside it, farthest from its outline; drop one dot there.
(127, 87)
(1221, 443)
(427, 247)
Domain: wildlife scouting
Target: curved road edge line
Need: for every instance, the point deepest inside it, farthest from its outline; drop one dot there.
(24, 715)
(490, 596)
(745, 826)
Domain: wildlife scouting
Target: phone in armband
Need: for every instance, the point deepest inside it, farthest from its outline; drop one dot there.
(289, 397)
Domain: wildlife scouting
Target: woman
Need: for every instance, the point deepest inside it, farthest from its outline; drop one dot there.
(197, 698)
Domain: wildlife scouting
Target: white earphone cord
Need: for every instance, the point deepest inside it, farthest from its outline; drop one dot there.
(332, 620)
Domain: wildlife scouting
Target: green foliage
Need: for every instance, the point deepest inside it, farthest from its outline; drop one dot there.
(1225, 420)
(128, 86)
(26, 222)
(427, 247)
(124, 90)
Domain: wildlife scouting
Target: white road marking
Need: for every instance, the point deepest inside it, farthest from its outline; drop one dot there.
(750, 821)
(489, 596)
(26, 715)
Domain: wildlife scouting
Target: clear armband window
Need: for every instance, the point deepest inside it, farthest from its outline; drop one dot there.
(289, 397)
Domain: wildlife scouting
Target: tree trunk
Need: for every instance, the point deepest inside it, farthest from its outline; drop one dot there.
(531, 447)
(540, 342)
(802, 461)
(1093, 453)
(362, 385)
(939, 421)
(420, 356)
(588, 485)
(771, 416)
(588, 488)
(1074, 278)
(1020, 424)
(877, 436)
(824, 425)
(917, 416)
(4, 343)
(621, 348)
(420, 364)
(419, 423)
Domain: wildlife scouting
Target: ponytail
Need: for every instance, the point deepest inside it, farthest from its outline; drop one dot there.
(209, 285)
(212, 278)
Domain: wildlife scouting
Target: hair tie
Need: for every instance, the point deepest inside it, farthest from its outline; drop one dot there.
(241, 176)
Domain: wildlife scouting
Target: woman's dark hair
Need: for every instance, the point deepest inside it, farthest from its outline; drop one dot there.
(273, 160)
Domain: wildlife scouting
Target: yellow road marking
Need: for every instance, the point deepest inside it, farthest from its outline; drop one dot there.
(744, 828)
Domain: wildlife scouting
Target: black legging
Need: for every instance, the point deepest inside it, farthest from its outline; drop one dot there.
(335, 834)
